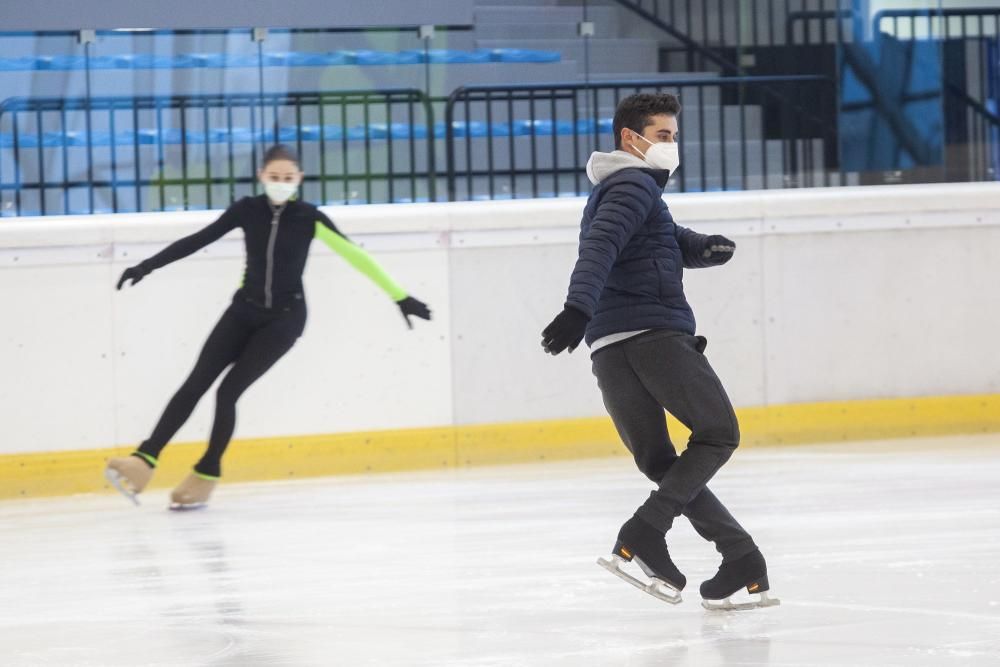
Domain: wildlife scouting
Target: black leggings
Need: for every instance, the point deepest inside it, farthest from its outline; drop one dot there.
(251, 339)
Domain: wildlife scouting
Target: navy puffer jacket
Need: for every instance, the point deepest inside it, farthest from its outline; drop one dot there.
(630, 270)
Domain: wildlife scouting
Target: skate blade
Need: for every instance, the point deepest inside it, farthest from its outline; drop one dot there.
(186, 507)
(729, 605)
(121, 484)
(658, 588)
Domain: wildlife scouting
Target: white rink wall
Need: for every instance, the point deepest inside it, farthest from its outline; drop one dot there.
(834, 294)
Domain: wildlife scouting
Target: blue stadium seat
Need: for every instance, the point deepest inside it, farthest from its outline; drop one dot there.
(209, 60)
(150, 61)
(524, 56)
(330, 132)
(365, 57)
(451, 56)
(462, 129)
(7, 140)
(395, 130)
(20, 64)
(59, 62)
(310, 133)
(238, 135)
(299, 59)
(277, 59)
(101, 62)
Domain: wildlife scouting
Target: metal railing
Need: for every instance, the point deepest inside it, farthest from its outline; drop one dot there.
(85, 155)
(829, 26)
(710, 34)
(970, 39)
(742, 133)
(977, 158)
(957, 23)
(69, 155)
(678, 19)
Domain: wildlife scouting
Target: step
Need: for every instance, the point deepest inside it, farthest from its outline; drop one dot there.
(727, 121)
(540, 31)
(709, 33)
(550, 14)
(444, 79)
(606, 55)
(383, 41)
(563, 19)
(651, 76)
(710, 97)
(755, 179)
(531, 4)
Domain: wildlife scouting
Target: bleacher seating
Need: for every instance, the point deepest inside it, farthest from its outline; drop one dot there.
(307, 133)
(279, 59)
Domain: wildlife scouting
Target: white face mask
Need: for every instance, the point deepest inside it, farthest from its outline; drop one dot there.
(279, 192)
(662, 155)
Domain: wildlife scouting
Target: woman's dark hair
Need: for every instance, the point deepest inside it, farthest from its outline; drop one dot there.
(635, 112)
(279, 152)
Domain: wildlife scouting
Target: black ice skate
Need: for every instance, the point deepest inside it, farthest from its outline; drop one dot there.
(749, 572)
(641, 542)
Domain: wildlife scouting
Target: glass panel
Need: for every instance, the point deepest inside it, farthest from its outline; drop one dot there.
(41, 146)
(892, 93)
(776, 93)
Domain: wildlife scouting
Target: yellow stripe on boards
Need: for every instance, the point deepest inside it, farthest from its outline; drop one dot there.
(63, 473)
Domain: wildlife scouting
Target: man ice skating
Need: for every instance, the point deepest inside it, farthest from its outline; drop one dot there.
(626, 297)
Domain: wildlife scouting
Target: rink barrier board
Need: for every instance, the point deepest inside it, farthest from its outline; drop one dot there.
(75, 471)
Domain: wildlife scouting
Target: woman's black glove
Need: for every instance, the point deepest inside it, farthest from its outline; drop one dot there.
(134, 273)
(410, 306)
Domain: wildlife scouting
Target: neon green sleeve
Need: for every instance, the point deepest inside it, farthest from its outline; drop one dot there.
(359, 258)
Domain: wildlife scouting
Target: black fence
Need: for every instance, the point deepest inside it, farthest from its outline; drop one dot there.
(820, 26)
(970, 61)
(120, 154)
(70, 155)
(740, 133)
(713, 35)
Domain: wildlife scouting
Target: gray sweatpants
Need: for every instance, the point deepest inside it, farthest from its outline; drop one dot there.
(667, 370)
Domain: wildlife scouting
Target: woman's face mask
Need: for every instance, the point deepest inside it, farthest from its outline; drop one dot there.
(662, 155)
(280, 179)
(279, 192)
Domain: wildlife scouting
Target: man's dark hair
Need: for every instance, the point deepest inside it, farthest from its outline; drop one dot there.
(279, 152)
(635, 112)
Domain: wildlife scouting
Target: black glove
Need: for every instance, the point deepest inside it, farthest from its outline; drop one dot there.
(134, 273)
(566, 331)
(410, 306)
(718, 249)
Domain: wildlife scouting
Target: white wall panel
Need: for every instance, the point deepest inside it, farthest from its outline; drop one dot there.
(835, 294)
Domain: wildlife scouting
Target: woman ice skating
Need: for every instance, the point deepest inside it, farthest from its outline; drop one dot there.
(626, 296)
(266, 317)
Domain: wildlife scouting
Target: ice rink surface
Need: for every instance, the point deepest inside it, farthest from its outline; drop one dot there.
(882, 554)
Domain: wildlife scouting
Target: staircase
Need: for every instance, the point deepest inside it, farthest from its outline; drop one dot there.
(627, 47)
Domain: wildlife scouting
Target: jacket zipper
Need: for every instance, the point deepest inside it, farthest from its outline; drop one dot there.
(269, 265)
